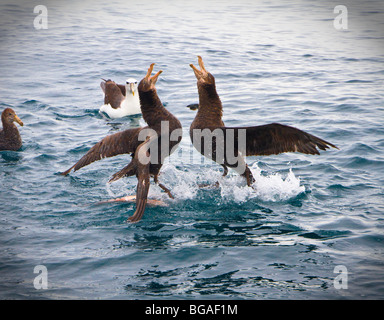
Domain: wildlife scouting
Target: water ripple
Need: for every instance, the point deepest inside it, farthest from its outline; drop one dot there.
(306, 215)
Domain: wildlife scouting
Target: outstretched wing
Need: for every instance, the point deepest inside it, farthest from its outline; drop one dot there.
(276, 138)
(119, 143)
(114, 93)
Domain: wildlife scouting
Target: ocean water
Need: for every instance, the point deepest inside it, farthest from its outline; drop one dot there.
(281, 61)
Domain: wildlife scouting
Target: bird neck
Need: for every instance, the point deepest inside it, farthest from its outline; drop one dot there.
(210, 106)
(8, 127)
(10, 130)
(151, 107)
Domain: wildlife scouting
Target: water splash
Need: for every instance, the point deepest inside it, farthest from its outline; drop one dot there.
(274, 187)
(184, 184)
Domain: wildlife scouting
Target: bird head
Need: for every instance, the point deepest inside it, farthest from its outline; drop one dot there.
(202, 75)
(10, 116)
(148, 82)
(131, 85)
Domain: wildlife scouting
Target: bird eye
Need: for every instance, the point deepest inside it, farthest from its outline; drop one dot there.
(127, 82)
(135, 82)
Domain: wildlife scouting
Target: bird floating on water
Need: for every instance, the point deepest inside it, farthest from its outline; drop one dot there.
(259, 140)
(10, 138)
(120, 100)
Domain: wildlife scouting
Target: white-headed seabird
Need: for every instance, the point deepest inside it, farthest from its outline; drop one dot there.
(120, 100)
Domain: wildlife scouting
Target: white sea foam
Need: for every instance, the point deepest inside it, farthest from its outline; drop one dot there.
(184, 185)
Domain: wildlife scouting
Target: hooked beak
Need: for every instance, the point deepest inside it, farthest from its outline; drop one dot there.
(18, 120)
(132, 88)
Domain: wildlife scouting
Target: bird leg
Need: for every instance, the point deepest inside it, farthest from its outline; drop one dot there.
(225, 170)
(248, 176)
(167, 191)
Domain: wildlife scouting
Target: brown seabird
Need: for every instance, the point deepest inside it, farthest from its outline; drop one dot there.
(260, 140)
(9, 136)
(148, 146)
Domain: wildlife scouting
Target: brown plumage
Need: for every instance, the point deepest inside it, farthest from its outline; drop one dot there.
(263, 140)
(139, 142)
(114, 93)
(9, 136)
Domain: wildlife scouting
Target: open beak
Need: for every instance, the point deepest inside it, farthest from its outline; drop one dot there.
(155, 77)
(18, 120)
(197, 72)
(201, 64)
(132, 88)
(202, 71)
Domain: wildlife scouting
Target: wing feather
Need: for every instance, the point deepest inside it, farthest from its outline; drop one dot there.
(119, 143)
(276, 138)
(114, 93)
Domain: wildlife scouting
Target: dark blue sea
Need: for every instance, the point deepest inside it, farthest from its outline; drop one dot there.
(313, 229)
